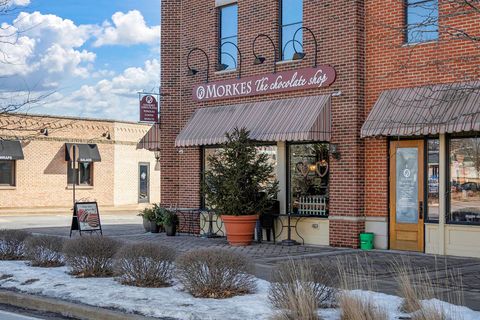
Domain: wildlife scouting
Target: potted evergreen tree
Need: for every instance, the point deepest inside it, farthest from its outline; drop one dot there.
(170, 222)
(239, 186)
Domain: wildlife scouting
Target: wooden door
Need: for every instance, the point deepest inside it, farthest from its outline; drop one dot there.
(407, 195)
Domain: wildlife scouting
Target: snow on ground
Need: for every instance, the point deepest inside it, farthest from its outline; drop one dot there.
(172, 302)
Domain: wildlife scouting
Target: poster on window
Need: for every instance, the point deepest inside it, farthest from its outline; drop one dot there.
(407, 185)
(86, 217)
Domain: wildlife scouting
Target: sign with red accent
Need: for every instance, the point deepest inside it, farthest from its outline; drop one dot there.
(307, 78)
(86, 217)
(148, 109)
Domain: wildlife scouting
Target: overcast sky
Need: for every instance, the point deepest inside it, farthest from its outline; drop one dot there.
(93, 55)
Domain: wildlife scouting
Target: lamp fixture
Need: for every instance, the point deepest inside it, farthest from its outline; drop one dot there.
(107, 135)
(191, 71)
(298, 55)
(44, 132)
(334, 151)
(261, 59)
(222, 66)
(157, 155)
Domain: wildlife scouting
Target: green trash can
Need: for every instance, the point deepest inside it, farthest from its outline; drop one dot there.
(366, 240)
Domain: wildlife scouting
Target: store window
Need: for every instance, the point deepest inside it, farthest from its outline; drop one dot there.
(291, 19)
(7, 173)
(228, 33)
(464, 181)
(269, 150)
(308, 179)
(422, 20)
(433, 180)
(83, 174)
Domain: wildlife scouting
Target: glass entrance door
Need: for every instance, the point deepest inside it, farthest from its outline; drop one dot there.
(406, 195)
(144, 183)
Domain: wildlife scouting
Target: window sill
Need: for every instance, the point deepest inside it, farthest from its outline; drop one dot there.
(413, 44)
(8, 187)
(282, 62)
(225, 71)
(70, 187)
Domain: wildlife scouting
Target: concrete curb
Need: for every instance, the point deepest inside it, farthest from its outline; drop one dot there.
(64, 308)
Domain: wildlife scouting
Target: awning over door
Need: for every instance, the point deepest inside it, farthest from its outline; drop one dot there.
(298, 119)
(87, 152)
(11, 150)
(446, 108)
(151, 140)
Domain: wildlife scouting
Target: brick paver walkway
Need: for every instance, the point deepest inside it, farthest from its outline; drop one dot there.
(267, 256)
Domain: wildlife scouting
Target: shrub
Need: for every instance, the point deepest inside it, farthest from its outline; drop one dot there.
(12, 244)
(145, 265)
(300, 287)
(91, 256)
(360, 308)
(45, 251)
(215, 273)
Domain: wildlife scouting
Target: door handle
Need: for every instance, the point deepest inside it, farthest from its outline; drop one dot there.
(420, 210)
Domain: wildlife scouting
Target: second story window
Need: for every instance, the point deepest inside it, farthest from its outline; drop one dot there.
(291, 18)
(228, 33)
(422, 20)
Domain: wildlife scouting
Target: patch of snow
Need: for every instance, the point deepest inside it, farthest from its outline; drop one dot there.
(172, 301)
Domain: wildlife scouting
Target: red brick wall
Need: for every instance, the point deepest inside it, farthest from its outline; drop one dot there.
(392, 64)
(339, 27)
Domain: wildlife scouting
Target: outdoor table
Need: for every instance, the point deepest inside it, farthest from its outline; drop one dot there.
(289, 226)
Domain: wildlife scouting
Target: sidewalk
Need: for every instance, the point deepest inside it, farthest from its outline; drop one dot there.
(126, 209)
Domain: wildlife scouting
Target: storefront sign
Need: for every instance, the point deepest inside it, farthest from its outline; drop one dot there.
(407, 185)
(307, 78)
(148, 109)
(86, 217)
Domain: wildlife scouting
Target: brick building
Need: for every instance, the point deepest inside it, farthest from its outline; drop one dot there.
(334, 176)
(36, 167)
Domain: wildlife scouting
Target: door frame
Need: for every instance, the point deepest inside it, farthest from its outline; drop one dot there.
(147, 164)
(424, 165)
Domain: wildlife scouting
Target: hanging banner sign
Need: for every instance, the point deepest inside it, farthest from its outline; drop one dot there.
(307, 78)
(148, 109)
(85, 218)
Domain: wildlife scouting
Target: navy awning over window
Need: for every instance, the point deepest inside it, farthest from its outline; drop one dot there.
(11, 150)
(87, 152)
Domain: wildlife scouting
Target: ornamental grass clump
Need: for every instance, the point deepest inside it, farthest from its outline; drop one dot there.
(299, 288)
(355, 307)
(145, 265)
(215, 273)
(91, 256)
(12, 244)
(45, 251)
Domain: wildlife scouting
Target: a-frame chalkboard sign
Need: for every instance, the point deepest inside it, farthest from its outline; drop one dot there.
(86, 218)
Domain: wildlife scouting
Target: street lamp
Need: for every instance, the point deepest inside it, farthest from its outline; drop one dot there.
(192, 71)
(260, 59)
(300, 55)
(222, 66)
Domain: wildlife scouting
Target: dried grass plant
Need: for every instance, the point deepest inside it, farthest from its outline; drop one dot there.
(145, 265)
(354, 307)
(215, 273)
(91, 256)
(12, 244)
(45, 251)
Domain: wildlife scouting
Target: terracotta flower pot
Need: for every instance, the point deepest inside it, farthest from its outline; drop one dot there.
(240, 229)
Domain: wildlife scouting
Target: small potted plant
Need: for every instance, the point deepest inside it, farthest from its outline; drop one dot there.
(239, 186)
(170, 222)
(148, 215)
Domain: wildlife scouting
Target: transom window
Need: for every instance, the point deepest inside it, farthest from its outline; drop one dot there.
(422, 20)
(7, 173)
(291, 19)
(228, 33)
(83, 174)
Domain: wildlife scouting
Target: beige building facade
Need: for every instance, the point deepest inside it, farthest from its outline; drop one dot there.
(120, 173)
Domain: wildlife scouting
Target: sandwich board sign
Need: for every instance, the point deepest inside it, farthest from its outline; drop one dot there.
(86, 218)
